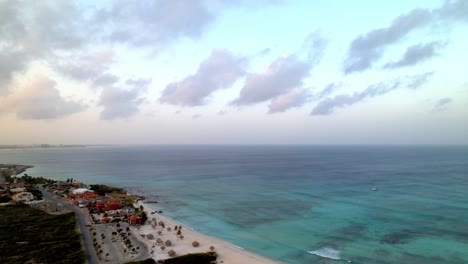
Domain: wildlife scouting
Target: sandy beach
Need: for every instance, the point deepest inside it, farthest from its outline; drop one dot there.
(227, 253)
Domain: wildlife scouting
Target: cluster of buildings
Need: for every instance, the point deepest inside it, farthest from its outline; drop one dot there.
(16, 191)
(102, 209)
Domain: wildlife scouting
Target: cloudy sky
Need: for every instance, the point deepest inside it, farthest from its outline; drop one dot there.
(234, 72)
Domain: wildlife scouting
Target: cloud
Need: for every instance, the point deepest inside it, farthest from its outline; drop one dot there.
(105, 80)
(328, 105)
(368, 48)
(39, 99)
(284, 74)
(35, 31)
(10, 62)
(218, 71)
(151, 23)
(442, 104)
(89, 67)
(454, 10)
(221, 113)
(330, 88)
(314, 45)
(120, 103)
(416, 54)
(294, 98)
(416, 81)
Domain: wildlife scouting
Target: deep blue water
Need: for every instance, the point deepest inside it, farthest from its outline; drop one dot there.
(283, 201)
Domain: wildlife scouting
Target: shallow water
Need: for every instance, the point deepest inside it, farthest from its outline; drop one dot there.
(283, 201)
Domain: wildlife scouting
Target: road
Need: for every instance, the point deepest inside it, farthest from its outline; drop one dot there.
(90, 253)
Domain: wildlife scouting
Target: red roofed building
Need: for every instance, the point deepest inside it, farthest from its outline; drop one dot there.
(19, 185)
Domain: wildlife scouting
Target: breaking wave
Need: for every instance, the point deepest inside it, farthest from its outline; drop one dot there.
(326, 252)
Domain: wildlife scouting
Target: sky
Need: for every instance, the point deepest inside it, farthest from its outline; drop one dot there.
(234, 72)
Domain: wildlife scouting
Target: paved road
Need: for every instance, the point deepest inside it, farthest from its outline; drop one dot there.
(91, 257)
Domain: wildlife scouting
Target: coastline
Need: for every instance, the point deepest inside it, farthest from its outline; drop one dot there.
(227, 252)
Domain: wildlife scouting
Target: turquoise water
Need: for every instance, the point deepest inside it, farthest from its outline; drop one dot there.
(283, 201)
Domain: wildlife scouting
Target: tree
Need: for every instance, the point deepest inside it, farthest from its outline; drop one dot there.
(144, 217)
(7, 176)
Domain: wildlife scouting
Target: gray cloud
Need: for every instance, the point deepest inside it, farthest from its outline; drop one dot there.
(119, 103)
(416, 54)
(442, 104)
(10, 62)
(454, 10)
(284, 74)
(154, 23)
(218, 71)
(330, 88)
(416, 81)
(39, 99)
(34, 31)
(368, 48)
(105, 80)
(150, 23)
(89, 67)
(294, 98)
(196, 116)
(328, 105)
(314, 45)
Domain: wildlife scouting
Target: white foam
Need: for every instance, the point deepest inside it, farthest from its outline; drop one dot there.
(326, 252)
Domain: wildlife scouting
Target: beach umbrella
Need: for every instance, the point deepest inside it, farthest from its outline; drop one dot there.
(171, 253)
(195, 244)
(163, 248)
(181, 237)
(150, 236)
(159, 241)
(212, 248)
(169, 229)
(168, 243)
(160, 223)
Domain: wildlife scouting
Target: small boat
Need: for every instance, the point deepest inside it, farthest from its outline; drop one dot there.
(375, 189)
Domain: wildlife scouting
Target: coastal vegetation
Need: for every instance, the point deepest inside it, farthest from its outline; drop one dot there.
(199, 258)
(36, 180)
(194, 258)
(104, 189)
(29, 235)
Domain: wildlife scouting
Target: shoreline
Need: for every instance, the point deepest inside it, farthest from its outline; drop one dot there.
(227, 252)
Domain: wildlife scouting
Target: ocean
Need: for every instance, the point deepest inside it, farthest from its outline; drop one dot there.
(295, 204)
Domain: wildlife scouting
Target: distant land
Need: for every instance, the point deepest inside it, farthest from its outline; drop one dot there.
(45, 146)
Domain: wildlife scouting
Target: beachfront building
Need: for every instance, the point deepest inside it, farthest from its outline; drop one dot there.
(17, 190)
(23, 197)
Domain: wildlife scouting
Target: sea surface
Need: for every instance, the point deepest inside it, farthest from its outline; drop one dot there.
(296, 204)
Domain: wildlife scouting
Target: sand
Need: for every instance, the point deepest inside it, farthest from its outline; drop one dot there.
(227, 253)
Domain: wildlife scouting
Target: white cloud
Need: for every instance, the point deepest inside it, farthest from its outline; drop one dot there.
(39, 99)
(218, 71)
(294, 98)
(284, 74)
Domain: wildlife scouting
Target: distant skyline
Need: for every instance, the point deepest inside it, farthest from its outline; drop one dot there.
(233, 72)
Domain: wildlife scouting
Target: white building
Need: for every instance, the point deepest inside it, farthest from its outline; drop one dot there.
(23, 197)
